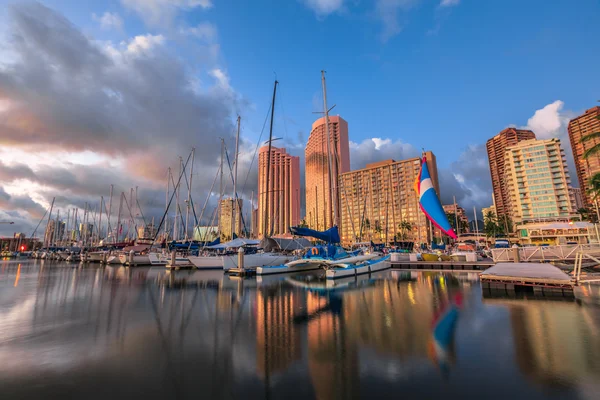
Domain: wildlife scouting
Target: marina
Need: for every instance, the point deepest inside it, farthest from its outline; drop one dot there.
(422, 333)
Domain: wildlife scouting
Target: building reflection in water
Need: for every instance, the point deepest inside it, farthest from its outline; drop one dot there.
(553, 344)
(278, 341)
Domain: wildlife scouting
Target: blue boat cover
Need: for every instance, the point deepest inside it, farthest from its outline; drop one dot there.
(331, 235)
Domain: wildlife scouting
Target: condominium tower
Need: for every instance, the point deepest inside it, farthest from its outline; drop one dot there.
(319, 194)
(230, 220)
(376, 200)
(537, 181)
(496, 149)
(282, 193)
(585, 167)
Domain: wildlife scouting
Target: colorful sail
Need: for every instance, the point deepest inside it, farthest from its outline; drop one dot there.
(430, 203)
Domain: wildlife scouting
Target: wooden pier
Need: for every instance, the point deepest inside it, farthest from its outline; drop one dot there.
(443, 265)
(539, 278)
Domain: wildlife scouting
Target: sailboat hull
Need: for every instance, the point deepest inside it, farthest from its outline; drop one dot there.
(294, 266)
(204, 262)
(367, 267)
(256, 260)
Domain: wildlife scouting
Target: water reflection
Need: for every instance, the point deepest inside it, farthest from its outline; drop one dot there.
(69, 331)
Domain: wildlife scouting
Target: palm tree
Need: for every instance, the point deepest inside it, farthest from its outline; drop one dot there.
(490, 224)
(405, 226)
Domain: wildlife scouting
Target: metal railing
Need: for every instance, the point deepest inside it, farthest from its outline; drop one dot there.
(546, 253)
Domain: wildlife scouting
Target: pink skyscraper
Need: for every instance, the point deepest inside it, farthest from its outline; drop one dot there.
(319, 193)
(283, 192)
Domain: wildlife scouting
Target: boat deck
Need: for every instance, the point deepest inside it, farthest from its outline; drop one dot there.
(544, 279)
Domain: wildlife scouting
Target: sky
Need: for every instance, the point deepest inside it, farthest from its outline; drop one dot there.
(108, 92)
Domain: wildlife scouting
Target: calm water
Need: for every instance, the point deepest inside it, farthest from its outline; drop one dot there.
(112, 333)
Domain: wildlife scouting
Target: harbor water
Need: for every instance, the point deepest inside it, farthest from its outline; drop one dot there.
(90, 332)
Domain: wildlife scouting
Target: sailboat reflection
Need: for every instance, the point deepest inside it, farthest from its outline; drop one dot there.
(441, 344)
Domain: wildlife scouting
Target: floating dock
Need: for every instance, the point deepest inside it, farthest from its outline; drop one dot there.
(241, 271)
(443, 265)
(540, 278)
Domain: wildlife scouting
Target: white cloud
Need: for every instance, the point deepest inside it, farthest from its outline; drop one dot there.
(222, 78)
(144, 43)
(377, 149)
(204, 30)
(449, 3)
(548, 121)
(109, 21)
(161, 12)
(324, 7)
(388, 11)
(551, 121)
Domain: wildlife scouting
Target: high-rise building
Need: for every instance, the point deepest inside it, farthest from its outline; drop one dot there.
(537, 181)
(231, 219)
(377, 200)
(487, 210)
(54, 233)
(579, 127)
(282, 194)
(319, 194)
(463, 220)
(496, 149)
(576, 198)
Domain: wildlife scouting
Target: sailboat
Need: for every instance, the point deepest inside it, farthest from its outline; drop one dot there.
(430, 205)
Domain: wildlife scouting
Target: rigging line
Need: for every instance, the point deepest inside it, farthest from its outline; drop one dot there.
(236, 195)
(209, 193)
(141, 212)
(38, 225)
(168, 205)
(191, 201)
(256, 149)
(177, 205)
(283, 114)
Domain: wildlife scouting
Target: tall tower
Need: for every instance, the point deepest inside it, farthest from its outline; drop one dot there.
(579, 127)
(283, 193)
(319, 211)
(537, 181)
(496, 149)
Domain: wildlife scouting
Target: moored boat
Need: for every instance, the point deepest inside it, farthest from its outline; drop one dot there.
(350, 267)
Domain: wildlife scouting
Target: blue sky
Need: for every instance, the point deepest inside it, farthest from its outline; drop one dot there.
(452, 76)
(445, 75)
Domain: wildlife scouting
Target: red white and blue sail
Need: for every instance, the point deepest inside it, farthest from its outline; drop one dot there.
(430, 202)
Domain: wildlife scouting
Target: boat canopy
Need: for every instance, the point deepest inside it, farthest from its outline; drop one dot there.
(331, 235)
(284, 244)
(239, 242)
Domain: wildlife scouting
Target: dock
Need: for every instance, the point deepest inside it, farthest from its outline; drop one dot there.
(443, 265)
(540, 278)
(242, 271)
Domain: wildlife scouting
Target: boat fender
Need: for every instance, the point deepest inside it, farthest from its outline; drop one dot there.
(314, 251)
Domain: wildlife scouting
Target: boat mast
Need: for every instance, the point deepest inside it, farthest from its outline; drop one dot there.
(65, 238)
(220, 187)
(100, 220)
(189, 200)
(119, 217)
(235, 171)
(456, 215)
(55, 231)
(110, 211)
(267, 177)
(177, 210)
(167, 203)
(332, 169)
